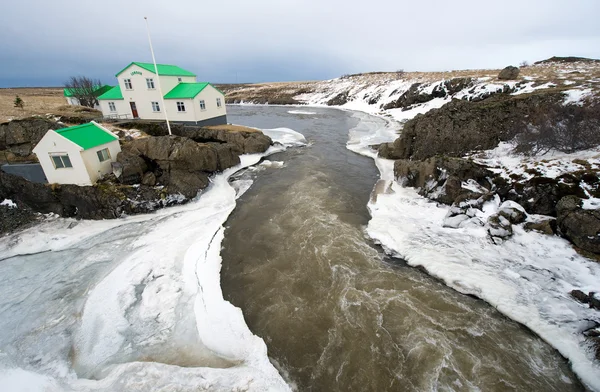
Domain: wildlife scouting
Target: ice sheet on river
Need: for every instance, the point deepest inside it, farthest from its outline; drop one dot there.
(132, 304)
(528, 278)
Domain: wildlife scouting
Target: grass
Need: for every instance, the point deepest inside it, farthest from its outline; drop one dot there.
(231, 128)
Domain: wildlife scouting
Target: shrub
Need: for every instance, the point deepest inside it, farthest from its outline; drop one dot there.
(567, 129)
(19, 102)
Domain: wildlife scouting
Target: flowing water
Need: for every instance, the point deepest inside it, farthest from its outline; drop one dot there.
(336, 314)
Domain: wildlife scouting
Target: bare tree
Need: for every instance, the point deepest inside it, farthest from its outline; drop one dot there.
(84, 89)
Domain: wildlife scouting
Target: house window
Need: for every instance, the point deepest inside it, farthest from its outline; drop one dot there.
(179, 80)
(61, 161)
(155, 107)
(103, 155)
(150, 83)
(218, 102)
(202, 105)
(128, 85)
(112, 107)
(180, 107)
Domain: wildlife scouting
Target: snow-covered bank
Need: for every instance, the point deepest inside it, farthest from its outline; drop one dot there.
(132, 304)
(528, 278)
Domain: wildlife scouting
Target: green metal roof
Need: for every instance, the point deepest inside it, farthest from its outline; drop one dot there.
(87, 135)
(185, 90)
(112, 94)
(99, 90)
(163, 69)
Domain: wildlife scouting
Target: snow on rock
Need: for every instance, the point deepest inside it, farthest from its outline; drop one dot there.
(8, 203)
(153, 315)
(576, 96)
(527, 277)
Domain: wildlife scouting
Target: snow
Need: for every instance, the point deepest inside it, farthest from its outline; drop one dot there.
(158, 302)
(576, 96)
(8, 203)
(529, 88)
(528, 277)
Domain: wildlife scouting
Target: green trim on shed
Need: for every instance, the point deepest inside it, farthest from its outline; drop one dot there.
(87, 135)
(163, 69)
(113, 94)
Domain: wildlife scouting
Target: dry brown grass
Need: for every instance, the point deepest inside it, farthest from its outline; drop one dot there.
(38, 101)
(232, 128)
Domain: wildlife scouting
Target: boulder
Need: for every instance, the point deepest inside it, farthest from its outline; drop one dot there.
(387, 151)
(498, 226)
(580, 296)
(339, 99)
(21, 136)
(544, 226)
(149, 179)
(578, 225)
(513, 212)
(186, 183)
(132, 167)
(509, 73)
(177, 153)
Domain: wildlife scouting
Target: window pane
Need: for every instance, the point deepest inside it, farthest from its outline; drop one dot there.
(57, 162)
(66, 161)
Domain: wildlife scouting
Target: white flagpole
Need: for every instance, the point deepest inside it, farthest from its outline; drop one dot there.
(162, 99)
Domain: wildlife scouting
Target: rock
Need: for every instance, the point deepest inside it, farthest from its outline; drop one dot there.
(386, 150)
(456, 85)
(178, 153)
(132, 166)
(513, 212)
(455, 221)
(499, 226)
(581, 227)
(257, 143)
(339, 99)
(509, 73)
(15, 218)
(186, 183)
(580, 296)
(544, 226)
(149, 179)
(460, 127)
(594, 301)
(20, 136)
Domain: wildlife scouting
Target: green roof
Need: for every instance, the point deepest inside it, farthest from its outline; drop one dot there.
(112, 94)
(99, 90)
(163, 69)
(185, 90)
(87, 135)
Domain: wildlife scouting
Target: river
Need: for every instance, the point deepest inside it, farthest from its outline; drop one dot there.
(336, 314)
(134, 304)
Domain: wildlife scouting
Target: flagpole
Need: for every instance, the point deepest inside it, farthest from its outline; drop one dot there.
(162, 99)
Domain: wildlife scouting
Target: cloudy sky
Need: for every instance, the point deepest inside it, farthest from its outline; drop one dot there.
(44, 42)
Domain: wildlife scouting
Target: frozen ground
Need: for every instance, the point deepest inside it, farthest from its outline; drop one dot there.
(132, 304)
(528, 277)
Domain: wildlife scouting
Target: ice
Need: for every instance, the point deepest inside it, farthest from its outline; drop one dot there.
(528, 277)
(155, 317)
(301, 112)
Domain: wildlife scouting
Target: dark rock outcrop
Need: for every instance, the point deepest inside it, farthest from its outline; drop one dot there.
(339, 99)
(20, 136)
(463, 126)
(12, 219)
(509, 73)
(416, 94)
(580, 226)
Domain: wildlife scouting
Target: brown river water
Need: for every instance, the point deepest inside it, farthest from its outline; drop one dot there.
(335, 312)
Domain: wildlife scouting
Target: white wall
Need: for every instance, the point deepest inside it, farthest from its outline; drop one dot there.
(95, 168)
(52, 142)
(72, 101)
(142, 96)
(123, 110)
(192, 107)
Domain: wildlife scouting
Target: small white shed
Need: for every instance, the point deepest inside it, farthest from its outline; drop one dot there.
(77, 155)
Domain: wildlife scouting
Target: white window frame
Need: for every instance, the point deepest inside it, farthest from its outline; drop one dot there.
(128, 84)
(112, 107)
(155, 106)
(218, 102)
(180, 106)
(150, 84)
(64, 160)
(103, 155)
(202, 105)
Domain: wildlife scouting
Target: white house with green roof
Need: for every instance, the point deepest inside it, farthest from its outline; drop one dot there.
(77, 155)
(72, 93)
(186, 100)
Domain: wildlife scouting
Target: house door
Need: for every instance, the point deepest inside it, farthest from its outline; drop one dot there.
(133, 109)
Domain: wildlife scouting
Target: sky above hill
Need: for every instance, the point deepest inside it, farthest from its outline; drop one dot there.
(44, 42)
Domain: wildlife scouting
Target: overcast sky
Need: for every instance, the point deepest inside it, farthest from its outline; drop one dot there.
(44, 42)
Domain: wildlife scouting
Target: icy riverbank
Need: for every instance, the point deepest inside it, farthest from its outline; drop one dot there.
(528, 278)
(132, 304)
